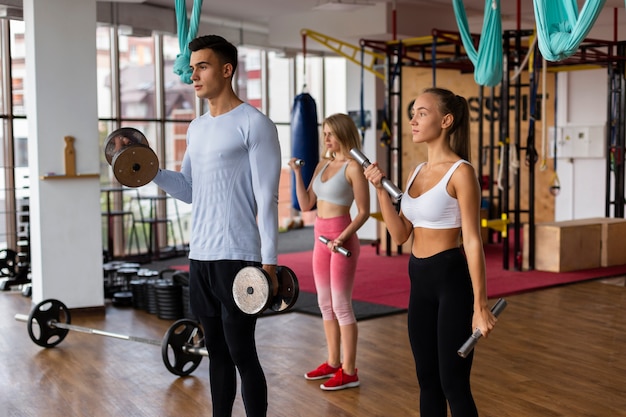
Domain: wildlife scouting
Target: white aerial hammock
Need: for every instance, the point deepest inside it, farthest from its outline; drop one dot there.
(560, 28)
(488, 59)
(187, 30)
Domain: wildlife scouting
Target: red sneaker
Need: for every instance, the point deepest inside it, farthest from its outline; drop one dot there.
(322, 371)
(341, 380)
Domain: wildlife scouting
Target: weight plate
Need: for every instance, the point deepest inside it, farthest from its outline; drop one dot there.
(251, 290)
(8, 263)
(121, 138)
(288, 289)
(183, 332)
(41, 323)
(135, 166)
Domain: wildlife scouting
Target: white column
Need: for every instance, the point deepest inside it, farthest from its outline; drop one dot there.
(61, 100)
(371, 143)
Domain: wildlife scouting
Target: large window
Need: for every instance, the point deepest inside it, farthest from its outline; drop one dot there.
(138, 88)
(14, 151)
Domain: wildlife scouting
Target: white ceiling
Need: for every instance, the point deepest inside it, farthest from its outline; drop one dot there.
(262, 11)
(282, 20)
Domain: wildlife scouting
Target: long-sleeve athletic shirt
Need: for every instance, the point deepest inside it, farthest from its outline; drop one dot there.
(230, 174)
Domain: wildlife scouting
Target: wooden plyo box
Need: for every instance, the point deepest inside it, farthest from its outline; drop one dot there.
(612, 240)
(567, 245)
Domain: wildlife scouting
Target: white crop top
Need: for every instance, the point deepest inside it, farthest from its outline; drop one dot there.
(336, 189)
(435, 209)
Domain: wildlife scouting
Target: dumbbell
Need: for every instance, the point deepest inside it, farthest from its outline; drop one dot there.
(253, 290)
(128, 152)
(345, 252)
(389, 186)
(471, 341)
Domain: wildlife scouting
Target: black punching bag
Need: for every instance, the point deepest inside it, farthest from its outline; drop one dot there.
(304, 140)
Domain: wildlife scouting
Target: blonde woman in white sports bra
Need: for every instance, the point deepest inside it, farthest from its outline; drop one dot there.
(448, 296)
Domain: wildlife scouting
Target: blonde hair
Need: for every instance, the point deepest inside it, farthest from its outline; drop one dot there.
(345, 131)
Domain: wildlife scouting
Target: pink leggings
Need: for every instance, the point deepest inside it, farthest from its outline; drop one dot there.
(333, 272)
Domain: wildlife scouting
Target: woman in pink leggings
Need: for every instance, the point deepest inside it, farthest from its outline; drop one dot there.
(338, 181)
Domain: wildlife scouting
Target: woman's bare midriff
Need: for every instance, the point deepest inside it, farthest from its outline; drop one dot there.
(327, 210)
(429, 242)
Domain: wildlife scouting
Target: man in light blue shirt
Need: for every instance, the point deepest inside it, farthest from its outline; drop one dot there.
(230, 174)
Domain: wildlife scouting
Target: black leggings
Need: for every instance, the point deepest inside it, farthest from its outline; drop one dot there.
(439, 321)
(229, 338)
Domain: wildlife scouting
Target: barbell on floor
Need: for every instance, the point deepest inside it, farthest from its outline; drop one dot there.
(182, 348)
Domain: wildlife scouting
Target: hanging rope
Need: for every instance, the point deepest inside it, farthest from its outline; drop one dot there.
(522, 66)
(544, 119)
(533, 68)
(304, 86)
(187, 30)
(560, 28)
(362, 97)
(488, 59)
(555, 184)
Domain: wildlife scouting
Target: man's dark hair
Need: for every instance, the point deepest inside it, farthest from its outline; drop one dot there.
(226, 51)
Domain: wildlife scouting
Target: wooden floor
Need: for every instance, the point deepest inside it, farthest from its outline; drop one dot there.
(555, 352)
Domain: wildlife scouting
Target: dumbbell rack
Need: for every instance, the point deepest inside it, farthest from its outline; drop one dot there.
(159, 228)
(116, 221)
(17, 263)
(23, 243)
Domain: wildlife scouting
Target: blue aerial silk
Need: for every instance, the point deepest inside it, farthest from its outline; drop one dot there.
(488, 59)
(560, 29)
(186, 32)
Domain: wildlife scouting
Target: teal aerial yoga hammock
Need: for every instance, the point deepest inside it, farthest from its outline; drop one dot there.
(186, 32)
(488, 60)
(560, 29)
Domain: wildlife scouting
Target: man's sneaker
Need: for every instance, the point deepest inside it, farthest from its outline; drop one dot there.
(322, 371)
(341, 380)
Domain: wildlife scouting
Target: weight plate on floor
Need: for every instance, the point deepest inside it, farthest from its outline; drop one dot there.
(120, 139)
(122, 299)
(41, 323)
(135, 166)
(288, 289)
(183, 332)
(251, 290)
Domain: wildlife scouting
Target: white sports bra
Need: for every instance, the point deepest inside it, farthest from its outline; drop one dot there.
(435, 209)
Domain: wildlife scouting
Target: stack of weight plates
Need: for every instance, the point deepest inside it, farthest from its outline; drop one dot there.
(138, 288)
(169, 300)
(183, 279)
(151, 301)
(110, 273)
